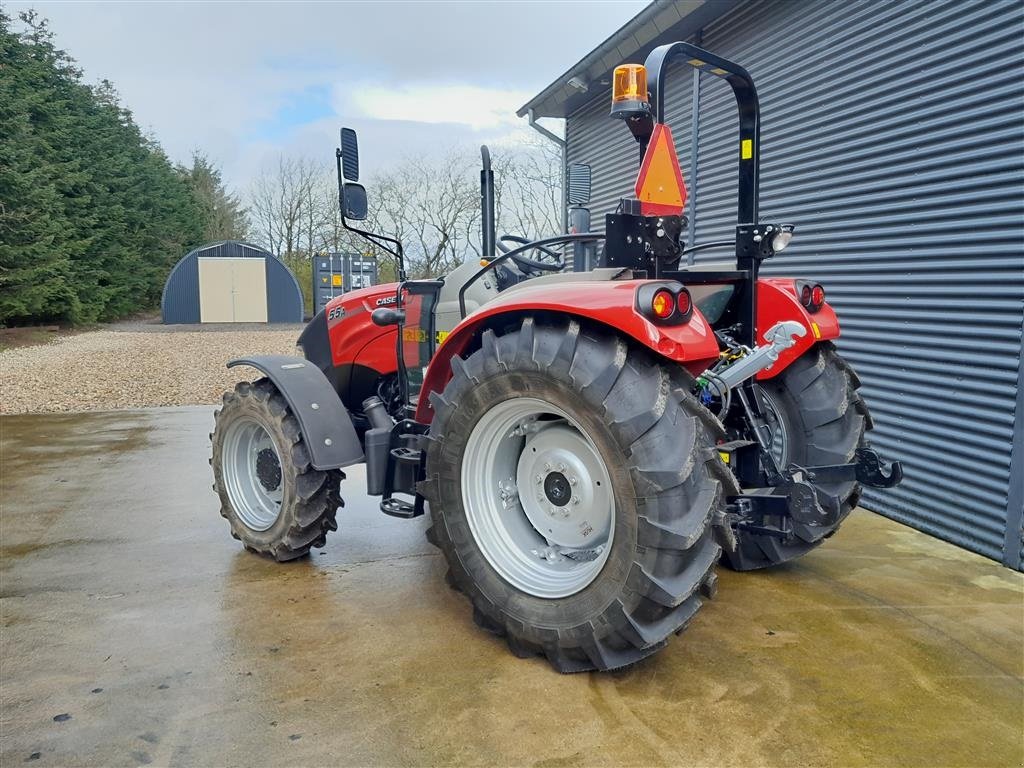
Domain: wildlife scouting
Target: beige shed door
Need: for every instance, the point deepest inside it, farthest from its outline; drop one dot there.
(232, 290)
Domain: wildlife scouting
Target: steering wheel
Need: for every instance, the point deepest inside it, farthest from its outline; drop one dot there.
(532, 266)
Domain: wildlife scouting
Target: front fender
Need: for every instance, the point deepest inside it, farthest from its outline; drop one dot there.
(326, 426)
(777, 300)
(610, 304)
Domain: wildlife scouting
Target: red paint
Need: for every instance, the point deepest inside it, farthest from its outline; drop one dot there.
(353, 336)
(777, 300)
(692, 344)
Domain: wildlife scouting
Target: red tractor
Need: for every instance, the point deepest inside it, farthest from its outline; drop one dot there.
(588, 444)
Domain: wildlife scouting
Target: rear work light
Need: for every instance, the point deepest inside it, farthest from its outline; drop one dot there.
(666, 303)
(812, 295)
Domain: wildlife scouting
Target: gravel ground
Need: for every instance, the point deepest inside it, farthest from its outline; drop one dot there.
(134, 365)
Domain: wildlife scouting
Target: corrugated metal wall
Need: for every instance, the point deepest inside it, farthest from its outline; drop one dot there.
(284, 297)
(892, 137)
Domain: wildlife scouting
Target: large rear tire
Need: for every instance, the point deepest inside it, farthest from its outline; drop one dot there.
(817, 418)
(544, 416)
(276, 503)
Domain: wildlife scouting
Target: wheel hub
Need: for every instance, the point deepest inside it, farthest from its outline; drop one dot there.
(571, 504)
(268, 469)
(557, 489)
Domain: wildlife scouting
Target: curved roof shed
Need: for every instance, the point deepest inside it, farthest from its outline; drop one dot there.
(231, 282)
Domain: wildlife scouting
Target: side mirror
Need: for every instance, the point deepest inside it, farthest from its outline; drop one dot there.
(579, 184)
(353, 201)
(350, 155)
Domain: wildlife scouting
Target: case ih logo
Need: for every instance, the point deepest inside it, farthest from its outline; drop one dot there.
(385, 300)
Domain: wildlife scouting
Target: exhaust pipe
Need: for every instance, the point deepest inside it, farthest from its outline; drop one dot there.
(488, 223)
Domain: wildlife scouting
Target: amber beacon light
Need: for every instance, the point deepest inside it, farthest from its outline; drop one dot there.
(629, 90)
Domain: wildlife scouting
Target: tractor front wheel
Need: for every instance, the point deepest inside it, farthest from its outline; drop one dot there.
(276, 503)
(574, 490)
(817, 418)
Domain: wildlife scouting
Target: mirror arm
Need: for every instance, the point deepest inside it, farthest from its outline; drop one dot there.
(372, 237)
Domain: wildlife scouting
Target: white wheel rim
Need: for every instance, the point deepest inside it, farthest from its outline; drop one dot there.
(538, 498)
(250, 466)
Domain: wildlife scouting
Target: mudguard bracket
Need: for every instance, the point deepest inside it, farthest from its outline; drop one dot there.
(326, 425)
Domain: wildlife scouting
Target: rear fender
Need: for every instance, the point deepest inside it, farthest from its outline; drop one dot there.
(609, 304)
(326, 426)
(776, 301)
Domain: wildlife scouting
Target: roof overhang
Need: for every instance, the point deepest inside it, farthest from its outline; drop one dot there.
(660, 22)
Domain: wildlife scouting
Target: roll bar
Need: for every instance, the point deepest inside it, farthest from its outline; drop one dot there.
(746, 100)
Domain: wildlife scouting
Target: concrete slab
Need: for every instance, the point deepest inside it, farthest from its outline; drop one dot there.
(135, 630)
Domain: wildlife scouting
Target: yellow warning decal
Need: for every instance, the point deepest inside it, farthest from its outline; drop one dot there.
(724, 456)
(746, 149)
(817, 330)
(419, 336)
(336, 279)
(719, 71)
(696, 63)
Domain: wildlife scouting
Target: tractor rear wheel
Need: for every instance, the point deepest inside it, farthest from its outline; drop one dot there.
(276, 503)
(817, 418)
(575, 492)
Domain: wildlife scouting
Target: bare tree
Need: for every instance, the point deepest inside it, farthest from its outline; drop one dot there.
(528, 189)
(284, 203)
(433, 208)
(431, 205)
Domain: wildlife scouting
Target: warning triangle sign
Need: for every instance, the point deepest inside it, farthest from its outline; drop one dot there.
(659, 185)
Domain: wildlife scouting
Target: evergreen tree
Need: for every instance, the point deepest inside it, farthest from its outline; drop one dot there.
(92, 213)
(224, 218)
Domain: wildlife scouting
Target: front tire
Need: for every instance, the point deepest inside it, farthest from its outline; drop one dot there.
(604, 583)
(817, 418)
(274, 500)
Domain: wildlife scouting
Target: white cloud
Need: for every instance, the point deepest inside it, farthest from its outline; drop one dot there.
(473, 106)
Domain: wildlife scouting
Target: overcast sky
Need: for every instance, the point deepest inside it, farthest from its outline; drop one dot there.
(246, 81)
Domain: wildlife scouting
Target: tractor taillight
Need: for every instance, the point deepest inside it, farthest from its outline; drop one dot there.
(663, 304)
(683, 302)
(812, 295)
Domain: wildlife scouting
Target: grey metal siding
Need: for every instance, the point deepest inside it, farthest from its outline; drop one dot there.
(892, 137)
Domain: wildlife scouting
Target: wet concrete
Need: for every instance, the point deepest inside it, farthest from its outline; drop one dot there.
(135, 630)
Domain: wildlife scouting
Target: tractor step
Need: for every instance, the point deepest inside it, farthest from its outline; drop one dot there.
(403, 509)
(407, 455)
